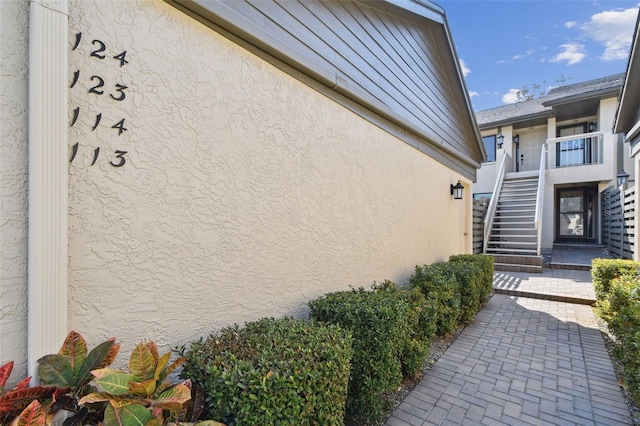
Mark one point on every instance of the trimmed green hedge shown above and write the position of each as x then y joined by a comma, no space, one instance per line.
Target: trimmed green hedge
420,327
439,284
624,323
285,372
392,331
485,263
617,286
603,271
469,277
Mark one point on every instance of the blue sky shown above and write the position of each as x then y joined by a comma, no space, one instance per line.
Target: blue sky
504,46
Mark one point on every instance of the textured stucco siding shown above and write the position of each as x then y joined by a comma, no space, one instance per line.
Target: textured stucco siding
14,28
245,192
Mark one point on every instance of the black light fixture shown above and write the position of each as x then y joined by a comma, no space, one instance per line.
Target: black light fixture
592,127
499,138
622,178
456,191
516,139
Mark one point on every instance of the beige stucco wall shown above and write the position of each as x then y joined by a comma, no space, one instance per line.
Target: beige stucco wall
14,71
245,193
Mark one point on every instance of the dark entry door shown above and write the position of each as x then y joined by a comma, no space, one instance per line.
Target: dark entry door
574,213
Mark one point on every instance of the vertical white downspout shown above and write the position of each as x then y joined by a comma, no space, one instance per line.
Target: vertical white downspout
47,259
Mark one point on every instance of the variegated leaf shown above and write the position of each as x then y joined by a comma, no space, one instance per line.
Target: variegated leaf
144,389
131,415
116,383
111,355
94,359
33,415
5,372
74,347
102,372
142,364
154,350
162,363
55,370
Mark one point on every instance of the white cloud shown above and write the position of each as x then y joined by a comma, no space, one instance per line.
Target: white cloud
473,94
511,97
465,69
572,53
614,30
570,24
528,53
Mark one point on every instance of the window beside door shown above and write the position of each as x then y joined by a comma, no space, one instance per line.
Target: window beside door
490,148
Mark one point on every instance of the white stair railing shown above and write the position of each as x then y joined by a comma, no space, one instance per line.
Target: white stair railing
540,197
491,210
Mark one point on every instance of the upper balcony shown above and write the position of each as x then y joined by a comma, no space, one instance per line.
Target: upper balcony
576,150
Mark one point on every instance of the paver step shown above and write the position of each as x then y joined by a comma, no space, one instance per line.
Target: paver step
543,296
511,267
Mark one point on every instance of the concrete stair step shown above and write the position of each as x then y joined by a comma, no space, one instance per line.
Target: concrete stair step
517,263
507,251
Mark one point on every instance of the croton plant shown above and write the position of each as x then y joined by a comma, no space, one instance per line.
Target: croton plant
79,382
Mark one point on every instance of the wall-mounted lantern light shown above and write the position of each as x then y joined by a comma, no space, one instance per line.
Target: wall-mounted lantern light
622,178
456,191
516,139
592,127
499,138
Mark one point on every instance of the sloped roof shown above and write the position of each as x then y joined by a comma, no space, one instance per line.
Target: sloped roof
512,112
541,108
598,87
629,103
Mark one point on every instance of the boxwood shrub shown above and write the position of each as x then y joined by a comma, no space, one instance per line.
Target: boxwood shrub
379,322
440,285
624,323
469,277
285,372
485,263
420,327
603,271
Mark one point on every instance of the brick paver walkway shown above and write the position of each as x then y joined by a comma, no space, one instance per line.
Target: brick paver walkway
524,361
561,285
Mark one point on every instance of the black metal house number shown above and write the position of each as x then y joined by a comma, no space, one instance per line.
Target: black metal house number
116,92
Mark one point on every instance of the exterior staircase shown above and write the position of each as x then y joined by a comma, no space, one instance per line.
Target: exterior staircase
513,239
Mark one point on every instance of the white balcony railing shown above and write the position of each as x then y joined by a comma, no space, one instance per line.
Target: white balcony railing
576,150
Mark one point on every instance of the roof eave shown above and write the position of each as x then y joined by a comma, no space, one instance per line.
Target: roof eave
427,10
628,103
516,119
602,93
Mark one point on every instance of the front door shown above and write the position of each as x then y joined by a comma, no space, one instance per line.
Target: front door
574,213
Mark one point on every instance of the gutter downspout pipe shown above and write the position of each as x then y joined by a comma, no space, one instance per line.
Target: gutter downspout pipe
48,179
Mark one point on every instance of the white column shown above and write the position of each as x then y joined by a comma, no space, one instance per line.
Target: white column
48,176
